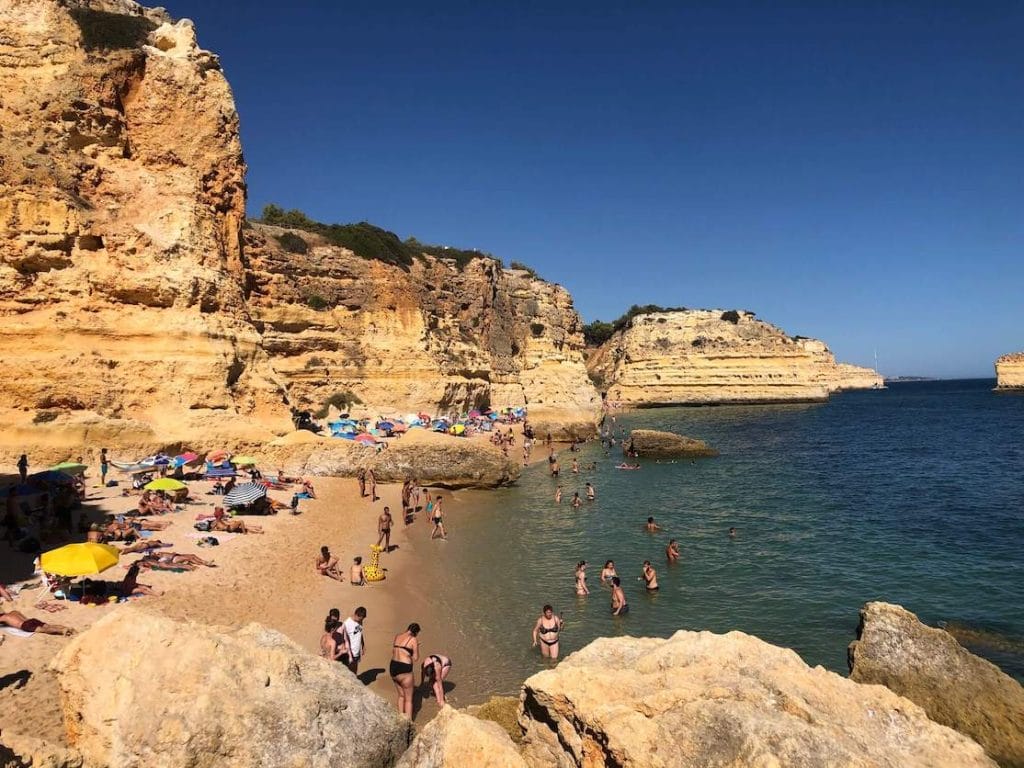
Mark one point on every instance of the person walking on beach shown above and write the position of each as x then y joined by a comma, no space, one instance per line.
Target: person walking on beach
581,578
353,627
672,551
405,652
384,529
371,481
438,520
546,632
23,467
649,576
591,493
330,647
361,477
608,572
434,672
619,605
104,466
355,573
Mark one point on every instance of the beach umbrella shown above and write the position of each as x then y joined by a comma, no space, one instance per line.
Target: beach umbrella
492,416
71,467
165,484
400,428
186,458
366,439
458,429
217,456
161,461
244,494
243,461
474,414
385,425
79,559
425,417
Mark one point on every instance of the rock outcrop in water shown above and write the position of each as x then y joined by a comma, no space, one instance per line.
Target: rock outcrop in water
1010,372
709,356
131,311
140,690
654,444
929,667
727,700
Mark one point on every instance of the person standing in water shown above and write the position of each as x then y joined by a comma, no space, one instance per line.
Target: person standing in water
581,578
649,577
619,605
651,526
405,652
575,466
591,493
558,495
672,551
577,502
732,533
438,520
608,572
433,674
546,632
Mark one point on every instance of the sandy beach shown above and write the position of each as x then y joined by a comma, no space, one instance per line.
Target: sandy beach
267,578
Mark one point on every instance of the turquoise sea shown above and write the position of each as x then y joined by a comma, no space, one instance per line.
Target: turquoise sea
912,495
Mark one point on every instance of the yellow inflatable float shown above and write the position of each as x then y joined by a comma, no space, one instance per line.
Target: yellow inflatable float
373,571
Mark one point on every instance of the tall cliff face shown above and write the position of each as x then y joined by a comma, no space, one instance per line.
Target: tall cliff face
438,335
1010,372
129,308
710,356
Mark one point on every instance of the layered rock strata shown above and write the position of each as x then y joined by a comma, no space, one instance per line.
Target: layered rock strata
929,667
710,356
141,690
1010,372
130,306
703,699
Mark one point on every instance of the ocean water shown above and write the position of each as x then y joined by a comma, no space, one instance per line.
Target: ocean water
912,495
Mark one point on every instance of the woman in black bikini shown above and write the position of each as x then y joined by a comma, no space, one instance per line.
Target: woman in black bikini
546,631
434,672
405,652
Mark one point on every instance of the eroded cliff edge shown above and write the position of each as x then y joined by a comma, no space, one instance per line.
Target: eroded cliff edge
710,356
138,308
1010,372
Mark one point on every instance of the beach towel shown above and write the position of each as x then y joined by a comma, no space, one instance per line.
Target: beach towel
15,632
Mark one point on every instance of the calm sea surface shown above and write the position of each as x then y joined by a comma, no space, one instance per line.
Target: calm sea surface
912,495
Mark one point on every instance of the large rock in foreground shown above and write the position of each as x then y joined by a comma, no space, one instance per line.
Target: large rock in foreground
648,442
933,670
700,699
143,691
454,739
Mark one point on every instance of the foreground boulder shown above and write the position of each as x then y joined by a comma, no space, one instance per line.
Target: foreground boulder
28,752
929,667
654,444
142,691
454,739
700,699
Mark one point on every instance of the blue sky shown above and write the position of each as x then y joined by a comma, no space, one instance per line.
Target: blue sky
849,171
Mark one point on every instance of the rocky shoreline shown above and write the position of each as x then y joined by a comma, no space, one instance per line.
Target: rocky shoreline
250,697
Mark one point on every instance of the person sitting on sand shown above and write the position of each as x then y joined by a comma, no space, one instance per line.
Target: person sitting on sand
18,620
327,564
434,672
651,526
284,479
608,572
355,573
546,632
129,585
672,551
235,526
307,488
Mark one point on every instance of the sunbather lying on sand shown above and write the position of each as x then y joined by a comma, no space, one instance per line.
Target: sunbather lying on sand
235,526
147,525
18,620
172,560
143,546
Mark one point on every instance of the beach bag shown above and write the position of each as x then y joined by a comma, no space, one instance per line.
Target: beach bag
202,525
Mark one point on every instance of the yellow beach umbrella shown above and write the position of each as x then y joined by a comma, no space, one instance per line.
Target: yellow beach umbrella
165,484
79,559
71,467
243,461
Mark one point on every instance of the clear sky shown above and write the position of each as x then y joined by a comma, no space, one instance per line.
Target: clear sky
849,171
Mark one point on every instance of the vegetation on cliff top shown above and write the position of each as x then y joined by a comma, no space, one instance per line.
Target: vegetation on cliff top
368,241
598,332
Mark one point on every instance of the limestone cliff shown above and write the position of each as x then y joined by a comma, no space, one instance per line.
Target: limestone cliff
710,356
1010,372
131,311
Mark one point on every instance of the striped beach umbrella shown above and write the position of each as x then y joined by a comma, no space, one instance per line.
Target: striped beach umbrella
245,494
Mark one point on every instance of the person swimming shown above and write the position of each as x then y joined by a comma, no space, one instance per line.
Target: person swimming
619,605
546,632
732,533
651,526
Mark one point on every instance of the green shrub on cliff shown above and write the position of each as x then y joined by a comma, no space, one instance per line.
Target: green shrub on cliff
368,241
598,332
293,243
343,401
